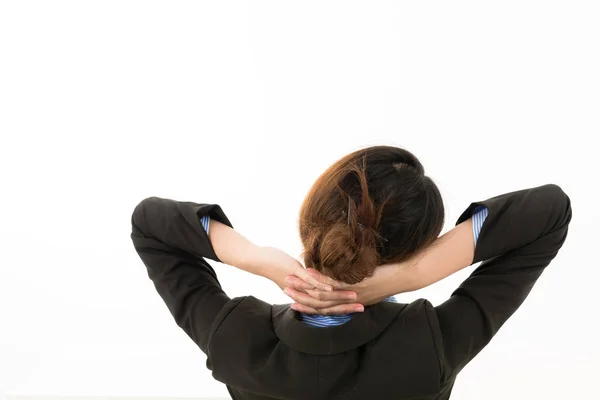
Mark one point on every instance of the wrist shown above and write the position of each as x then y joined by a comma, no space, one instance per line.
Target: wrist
403,277
274,264
394,282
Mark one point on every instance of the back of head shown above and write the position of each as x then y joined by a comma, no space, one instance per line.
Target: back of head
374,206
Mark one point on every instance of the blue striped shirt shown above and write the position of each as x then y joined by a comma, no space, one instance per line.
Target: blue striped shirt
479,215
322,321
205,221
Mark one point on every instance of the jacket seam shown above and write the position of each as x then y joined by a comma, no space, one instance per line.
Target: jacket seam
217,327
437,349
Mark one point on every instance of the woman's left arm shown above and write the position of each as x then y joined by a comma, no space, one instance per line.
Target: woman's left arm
169,238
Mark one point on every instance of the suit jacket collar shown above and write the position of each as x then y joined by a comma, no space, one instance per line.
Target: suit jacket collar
362,328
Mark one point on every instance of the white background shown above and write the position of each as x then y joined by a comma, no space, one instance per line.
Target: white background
244,104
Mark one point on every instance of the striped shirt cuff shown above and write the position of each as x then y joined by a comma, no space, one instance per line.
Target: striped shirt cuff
205,221
479,215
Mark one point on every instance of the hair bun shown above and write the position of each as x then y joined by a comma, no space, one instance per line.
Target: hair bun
349,252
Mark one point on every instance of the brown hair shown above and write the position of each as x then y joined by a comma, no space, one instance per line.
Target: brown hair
394,211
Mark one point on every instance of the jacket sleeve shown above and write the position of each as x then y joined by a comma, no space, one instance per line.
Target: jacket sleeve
520,236
173,245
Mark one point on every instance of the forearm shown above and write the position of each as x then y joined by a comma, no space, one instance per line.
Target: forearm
515,220
447,255
234,249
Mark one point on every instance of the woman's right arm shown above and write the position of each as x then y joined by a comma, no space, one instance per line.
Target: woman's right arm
516,220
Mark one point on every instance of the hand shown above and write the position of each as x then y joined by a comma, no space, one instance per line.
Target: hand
388,280
276,265
311,300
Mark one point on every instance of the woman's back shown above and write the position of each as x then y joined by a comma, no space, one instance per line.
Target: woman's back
391,350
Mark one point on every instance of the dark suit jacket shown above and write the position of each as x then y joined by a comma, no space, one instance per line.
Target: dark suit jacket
391,351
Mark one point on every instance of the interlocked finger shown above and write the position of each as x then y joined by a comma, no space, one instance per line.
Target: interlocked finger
336,310
306,299
297,283
340,296
301,273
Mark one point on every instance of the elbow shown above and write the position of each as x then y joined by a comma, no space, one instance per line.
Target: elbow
138,216
561,205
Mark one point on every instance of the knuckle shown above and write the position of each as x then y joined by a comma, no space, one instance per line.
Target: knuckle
309,303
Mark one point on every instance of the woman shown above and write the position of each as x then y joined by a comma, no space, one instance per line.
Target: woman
369,227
